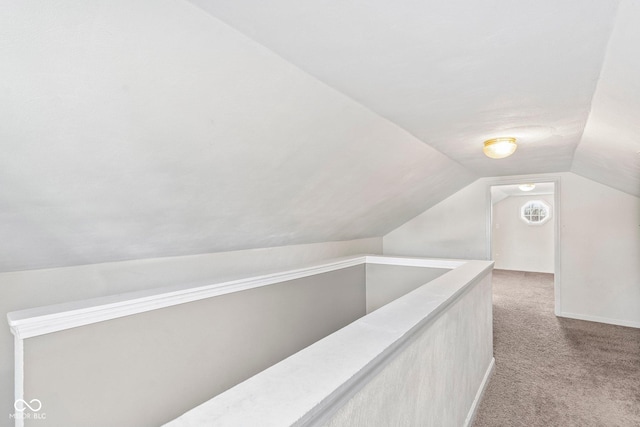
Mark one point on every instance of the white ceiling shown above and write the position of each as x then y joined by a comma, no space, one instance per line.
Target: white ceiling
452,73
159,128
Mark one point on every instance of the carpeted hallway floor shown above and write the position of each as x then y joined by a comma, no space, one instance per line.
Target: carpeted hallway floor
556,372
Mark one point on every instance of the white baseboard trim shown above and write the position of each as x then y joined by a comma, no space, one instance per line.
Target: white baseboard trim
618,322
483,386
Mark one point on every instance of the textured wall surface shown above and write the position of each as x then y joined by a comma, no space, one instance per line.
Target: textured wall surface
432,382
145,369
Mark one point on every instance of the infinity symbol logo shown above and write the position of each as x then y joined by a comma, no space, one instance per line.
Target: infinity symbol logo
20,405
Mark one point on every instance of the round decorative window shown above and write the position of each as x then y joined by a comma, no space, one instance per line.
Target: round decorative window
535,212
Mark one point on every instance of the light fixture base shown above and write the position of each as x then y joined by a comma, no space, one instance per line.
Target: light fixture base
499,148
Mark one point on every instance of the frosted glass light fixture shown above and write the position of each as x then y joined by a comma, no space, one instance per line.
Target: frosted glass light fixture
499,148
526,187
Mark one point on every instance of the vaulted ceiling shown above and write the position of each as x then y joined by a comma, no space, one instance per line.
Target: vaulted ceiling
159,128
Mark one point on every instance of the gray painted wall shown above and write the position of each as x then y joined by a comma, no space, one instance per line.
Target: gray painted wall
386,283
34,288
146,369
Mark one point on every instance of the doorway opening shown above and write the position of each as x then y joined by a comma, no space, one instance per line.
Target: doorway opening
523,228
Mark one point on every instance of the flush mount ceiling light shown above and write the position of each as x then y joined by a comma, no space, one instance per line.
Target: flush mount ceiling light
499,148
527,187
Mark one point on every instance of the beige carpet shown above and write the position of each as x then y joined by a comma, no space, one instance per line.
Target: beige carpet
553,371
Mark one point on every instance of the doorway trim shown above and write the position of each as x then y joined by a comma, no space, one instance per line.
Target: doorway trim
557,211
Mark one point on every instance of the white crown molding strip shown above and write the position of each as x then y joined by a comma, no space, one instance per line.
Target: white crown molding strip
43,320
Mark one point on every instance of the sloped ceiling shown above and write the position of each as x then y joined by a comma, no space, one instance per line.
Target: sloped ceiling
147,129
453,73
159,128
610,149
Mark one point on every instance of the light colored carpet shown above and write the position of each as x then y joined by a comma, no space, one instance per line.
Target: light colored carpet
557,372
